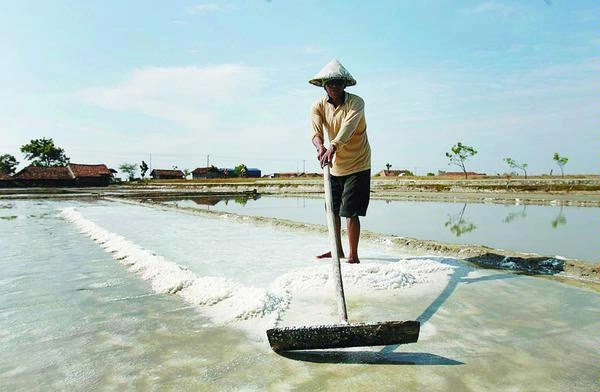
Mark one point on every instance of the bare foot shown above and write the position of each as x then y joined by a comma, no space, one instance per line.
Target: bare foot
353,261
327,255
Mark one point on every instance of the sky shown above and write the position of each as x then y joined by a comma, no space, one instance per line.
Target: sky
183,83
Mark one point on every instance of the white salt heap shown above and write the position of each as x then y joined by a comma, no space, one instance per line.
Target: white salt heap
226,301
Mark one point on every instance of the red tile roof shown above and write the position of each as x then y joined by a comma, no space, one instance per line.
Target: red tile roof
165,173
79,170
5,177
44,173
201,170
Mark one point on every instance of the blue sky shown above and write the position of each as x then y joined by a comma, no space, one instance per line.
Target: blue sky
116,82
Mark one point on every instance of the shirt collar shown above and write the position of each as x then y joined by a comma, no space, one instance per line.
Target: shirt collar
343,102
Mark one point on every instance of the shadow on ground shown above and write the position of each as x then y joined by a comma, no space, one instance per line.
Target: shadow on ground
459,275
369,357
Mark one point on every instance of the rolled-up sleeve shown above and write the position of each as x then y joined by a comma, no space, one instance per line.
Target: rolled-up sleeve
316,117
349,123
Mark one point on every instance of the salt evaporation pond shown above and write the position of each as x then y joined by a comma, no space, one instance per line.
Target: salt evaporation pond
85,304
548,230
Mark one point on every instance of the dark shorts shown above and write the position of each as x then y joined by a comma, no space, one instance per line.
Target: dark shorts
351,193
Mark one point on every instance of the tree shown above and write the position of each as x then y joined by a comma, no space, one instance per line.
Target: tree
459,153
241,170
186,173
43,152
8,164
143,169
388,166
516,165
560,161
129,169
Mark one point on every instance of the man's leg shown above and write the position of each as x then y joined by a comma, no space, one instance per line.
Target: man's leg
338,239
337,187
353,237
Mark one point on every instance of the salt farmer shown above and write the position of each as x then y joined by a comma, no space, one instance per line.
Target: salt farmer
342,115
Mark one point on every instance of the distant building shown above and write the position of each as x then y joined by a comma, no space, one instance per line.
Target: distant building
73,174
214,172
227,172
253,172
6,180
45,176
205,172
160,174
91,175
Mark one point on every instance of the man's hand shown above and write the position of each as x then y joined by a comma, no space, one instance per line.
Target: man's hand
326,155
321,150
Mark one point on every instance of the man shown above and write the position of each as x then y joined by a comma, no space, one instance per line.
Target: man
342,116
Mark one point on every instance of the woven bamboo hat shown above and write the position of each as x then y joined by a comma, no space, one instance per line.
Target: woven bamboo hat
333,70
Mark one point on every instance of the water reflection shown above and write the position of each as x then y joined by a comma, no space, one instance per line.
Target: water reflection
514,215
557,221
458,224
541,229
211,201
560,219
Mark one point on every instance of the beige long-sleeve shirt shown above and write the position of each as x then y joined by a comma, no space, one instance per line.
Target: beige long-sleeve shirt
347,130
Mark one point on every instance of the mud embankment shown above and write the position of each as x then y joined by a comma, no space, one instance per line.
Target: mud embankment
583,192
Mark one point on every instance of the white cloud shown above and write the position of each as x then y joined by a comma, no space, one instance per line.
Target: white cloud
191,96
313,49
493,7
204,8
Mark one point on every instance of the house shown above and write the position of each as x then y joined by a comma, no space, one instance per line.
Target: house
253,172
6,180
45,176
205,172
91,175
394,173
227,172
160,174
73,174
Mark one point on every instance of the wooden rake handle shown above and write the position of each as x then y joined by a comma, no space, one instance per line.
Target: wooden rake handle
336,272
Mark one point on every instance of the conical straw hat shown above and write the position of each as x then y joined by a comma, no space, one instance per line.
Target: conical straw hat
333,70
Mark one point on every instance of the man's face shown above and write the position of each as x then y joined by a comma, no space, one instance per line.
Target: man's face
335,88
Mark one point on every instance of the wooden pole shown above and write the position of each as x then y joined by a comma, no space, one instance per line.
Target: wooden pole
336,272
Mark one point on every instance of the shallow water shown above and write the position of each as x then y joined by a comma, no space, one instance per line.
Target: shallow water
565,231
74,316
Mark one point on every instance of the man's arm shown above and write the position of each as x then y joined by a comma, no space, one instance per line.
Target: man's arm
324,156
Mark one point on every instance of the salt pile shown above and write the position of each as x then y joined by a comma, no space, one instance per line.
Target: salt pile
226,301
